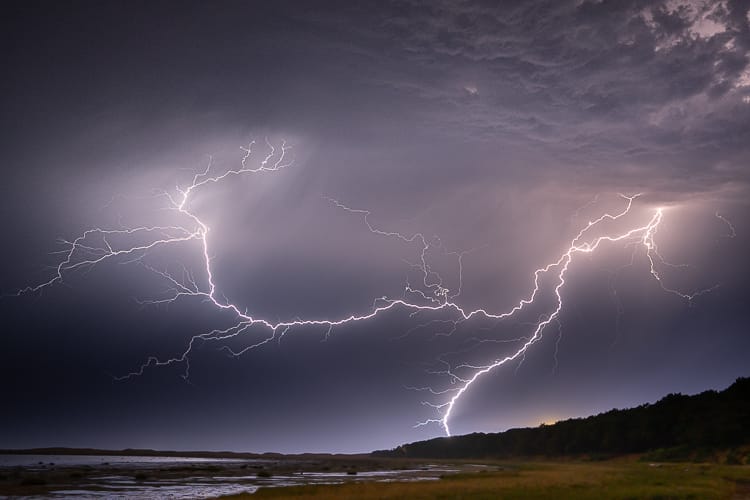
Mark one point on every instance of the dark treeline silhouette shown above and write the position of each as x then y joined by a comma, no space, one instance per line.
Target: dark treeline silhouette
709,420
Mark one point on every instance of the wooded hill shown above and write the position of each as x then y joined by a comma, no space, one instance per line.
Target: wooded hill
675,427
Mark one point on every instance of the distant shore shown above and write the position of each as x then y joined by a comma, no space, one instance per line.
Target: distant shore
138,452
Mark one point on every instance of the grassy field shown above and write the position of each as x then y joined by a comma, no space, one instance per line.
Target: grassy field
621,479
629,477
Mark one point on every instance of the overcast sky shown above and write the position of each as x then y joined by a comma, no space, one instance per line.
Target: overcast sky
495,131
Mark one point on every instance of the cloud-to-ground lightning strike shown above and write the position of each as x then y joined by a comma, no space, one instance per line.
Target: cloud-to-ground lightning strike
98,245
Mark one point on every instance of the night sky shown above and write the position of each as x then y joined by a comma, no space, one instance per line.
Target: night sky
499,132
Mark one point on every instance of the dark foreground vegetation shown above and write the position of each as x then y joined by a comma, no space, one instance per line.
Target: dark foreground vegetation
677,427
619,479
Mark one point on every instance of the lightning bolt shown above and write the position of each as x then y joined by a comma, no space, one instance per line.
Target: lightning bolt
432,295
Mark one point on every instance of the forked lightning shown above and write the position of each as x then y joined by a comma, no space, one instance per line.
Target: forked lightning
97,245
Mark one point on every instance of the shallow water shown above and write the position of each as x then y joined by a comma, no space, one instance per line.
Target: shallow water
121,477
187,491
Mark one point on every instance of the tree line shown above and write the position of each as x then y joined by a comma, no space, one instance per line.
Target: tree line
709,420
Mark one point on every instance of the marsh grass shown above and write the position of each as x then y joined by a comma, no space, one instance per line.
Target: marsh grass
592,480
622,478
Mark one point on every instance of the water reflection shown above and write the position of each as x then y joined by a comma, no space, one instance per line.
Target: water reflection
119,477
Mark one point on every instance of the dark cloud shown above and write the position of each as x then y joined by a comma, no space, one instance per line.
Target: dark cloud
588,82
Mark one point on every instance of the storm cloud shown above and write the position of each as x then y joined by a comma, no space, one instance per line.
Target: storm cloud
500,129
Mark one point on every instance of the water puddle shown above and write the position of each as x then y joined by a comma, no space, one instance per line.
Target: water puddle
178,478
